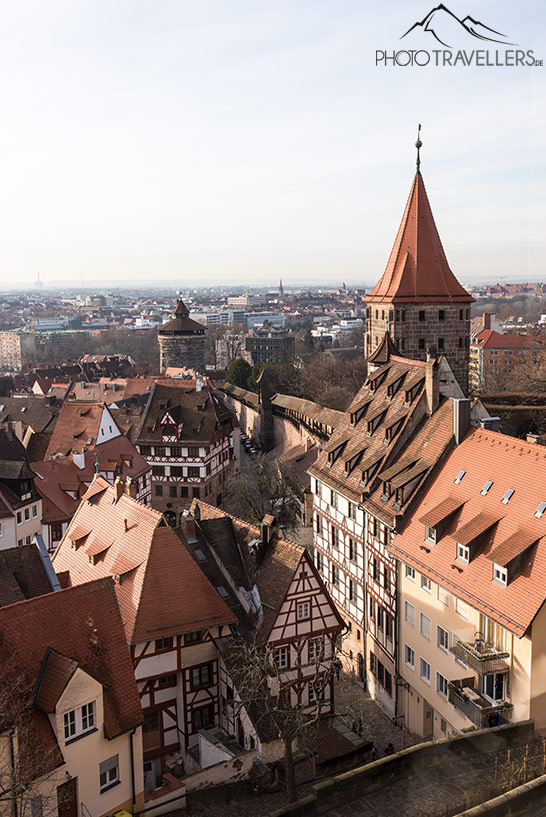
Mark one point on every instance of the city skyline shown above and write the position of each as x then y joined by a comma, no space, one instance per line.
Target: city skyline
198,146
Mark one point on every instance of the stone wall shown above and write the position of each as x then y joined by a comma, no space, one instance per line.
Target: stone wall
523,801
182,350
389,771
414,335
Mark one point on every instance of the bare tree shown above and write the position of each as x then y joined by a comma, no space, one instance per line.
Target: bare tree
262,486
287,703
28,763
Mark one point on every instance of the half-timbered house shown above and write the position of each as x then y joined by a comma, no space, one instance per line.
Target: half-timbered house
171,613
283,607
393,433
184,435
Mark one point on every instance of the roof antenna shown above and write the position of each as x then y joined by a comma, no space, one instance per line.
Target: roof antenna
418,145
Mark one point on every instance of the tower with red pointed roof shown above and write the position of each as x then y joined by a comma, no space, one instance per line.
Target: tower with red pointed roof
418,299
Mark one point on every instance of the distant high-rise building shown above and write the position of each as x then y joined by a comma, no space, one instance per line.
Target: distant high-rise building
418,299
281,289
182,341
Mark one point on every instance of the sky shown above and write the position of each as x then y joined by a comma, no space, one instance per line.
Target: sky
243,141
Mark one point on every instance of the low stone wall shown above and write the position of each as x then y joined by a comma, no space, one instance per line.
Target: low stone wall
347,787
520,802
227,771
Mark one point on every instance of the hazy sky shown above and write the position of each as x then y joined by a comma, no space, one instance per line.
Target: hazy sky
246,140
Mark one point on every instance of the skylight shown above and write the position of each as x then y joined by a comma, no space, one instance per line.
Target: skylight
486,487
200,556
459,477
540,510
507,496
222,590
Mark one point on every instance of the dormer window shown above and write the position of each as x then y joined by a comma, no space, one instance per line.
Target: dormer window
430,534
169,432
500,574
463,553
79,721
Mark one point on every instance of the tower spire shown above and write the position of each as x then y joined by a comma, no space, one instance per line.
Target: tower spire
418,145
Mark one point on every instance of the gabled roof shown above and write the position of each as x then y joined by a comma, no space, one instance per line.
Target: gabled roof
81,625
489,339
77,428
508,528
56,672
417,270
201,414
22,574
383,353
161,591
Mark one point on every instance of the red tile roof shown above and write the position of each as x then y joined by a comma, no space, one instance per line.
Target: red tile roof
418,270
510,464
489,339
162,591
77,428
57,670
82,625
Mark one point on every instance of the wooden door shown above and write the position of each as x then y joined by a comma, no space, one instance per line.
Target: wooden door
67,798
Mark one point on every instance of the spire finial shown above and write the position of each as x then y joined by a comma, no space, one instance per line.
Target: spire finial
418,145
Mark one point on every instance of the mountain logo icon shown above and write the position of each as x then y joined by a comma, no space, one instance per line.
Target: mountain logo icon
446,28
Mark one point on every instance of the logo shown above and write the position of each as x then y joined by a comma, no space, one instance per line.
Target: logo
460,40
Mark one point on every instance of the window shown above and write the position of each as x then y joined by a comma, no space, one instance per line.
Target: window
316,693
440,344
201,677
162,644
316,650
409,613
176,471
352,550
375,527
202,718
424,670
304,611
422,316
443,595
19,517
441,685
424,625
172,491
27,514
426,583
352,590
430,534
176,451
461,608
320,561
441,315
195,637
109,773
333,499
335,575
193,471
409,656
380,613
159,490
56,532
193,452
442,638
410,573
421,343
79,721
34,511
167,681
151,723
493,686
372,609
389,627
145,450
158,471
463,553
493,633
184,491
280,657
386,578
318,523
335,537
376,570
506,498
352,510
196,493
500,574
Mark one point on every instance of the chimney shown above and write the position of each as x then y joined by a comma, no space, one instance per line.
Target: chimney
266,528
197,512
532,439
131,487
78,458
461,418
118,488
487,320
126,525
188,526
489,423
432,384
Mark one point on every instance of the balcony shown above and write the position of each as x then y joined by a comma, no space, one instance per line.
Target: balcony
481,656
476,707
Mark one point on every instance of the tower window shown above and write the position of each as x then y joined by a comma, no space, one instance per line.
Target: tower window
467,314
403,344
376,314
460,343
440,343
422,316
421,343
397,315
382,314
441,315
403,316
461,314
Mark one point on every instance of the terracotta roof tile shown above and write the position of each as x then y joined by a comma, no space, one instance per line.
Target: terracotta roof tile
441,511
56,672
22,574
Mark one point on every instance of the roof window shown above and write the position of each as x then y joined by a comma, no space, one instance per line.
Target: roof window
500,574
459,477
540,510
506,498
200,556
222,590
486,487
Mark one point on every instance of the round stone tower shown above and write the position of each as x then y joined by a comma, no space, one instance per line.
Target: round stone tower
182,341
